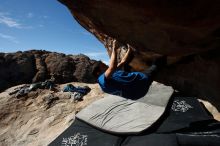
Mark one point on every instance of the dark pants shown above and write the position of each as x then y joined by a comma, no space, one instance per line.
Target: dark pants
151,71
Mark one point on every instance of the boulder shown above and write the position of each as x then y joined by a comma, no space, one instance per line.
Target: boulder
16,68
186,31
37,65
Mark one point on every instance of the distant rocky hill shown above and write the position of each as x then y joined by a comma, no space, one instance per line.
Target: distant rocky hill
36,65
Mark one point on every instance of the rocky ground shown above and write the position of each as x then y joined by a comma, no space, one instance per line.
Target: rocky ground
39,117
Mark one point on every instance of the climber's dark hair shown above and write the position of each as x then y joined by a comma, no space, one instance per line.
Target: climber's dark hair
96,69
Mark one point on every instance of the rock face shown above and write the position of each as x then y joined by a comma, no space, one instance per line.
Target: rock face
187,31
34,66
16,68
39,117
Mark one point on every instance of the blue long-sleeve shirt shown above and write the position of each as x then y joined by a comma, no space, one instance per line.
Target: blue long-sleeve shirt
126,84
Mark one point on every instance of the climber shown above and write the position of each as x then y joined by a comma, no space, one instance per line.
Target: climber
123,83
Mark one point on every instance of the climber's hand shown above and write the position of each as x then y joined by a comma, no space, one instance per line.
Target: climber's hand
115,45
125,58
131,48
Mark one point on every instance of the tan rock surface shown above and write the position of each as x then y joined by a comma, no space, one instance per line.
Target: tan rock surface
34,120
212,109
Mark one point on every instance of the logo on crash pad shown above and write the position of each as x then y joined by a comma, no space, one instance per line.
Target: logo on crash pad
180,106
75,140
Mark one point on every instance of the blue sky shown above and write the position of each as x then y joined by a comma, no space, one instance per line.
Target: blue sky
46,25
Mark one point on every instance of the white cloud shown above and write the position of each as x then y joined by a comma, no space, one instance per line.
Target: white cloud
106,62
86,33
45,16
40,25
95,54
8,21
30,15
98,56
9,38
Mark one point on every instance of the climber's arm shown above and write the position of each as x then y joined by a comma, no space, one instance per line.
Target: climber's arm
125,58
113,62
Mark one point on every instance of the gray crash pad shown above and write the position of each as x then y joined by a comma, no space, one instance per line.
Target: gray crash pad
119,115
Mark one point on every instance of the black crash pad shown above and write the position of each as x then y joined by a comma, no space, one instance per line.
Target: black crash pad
185,123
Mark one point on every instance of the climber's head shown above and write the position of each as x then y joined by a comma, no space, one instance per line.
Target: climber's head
98,69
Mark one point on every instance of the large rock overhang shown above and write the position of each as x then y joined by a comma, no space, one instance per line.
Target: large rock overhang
187,31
